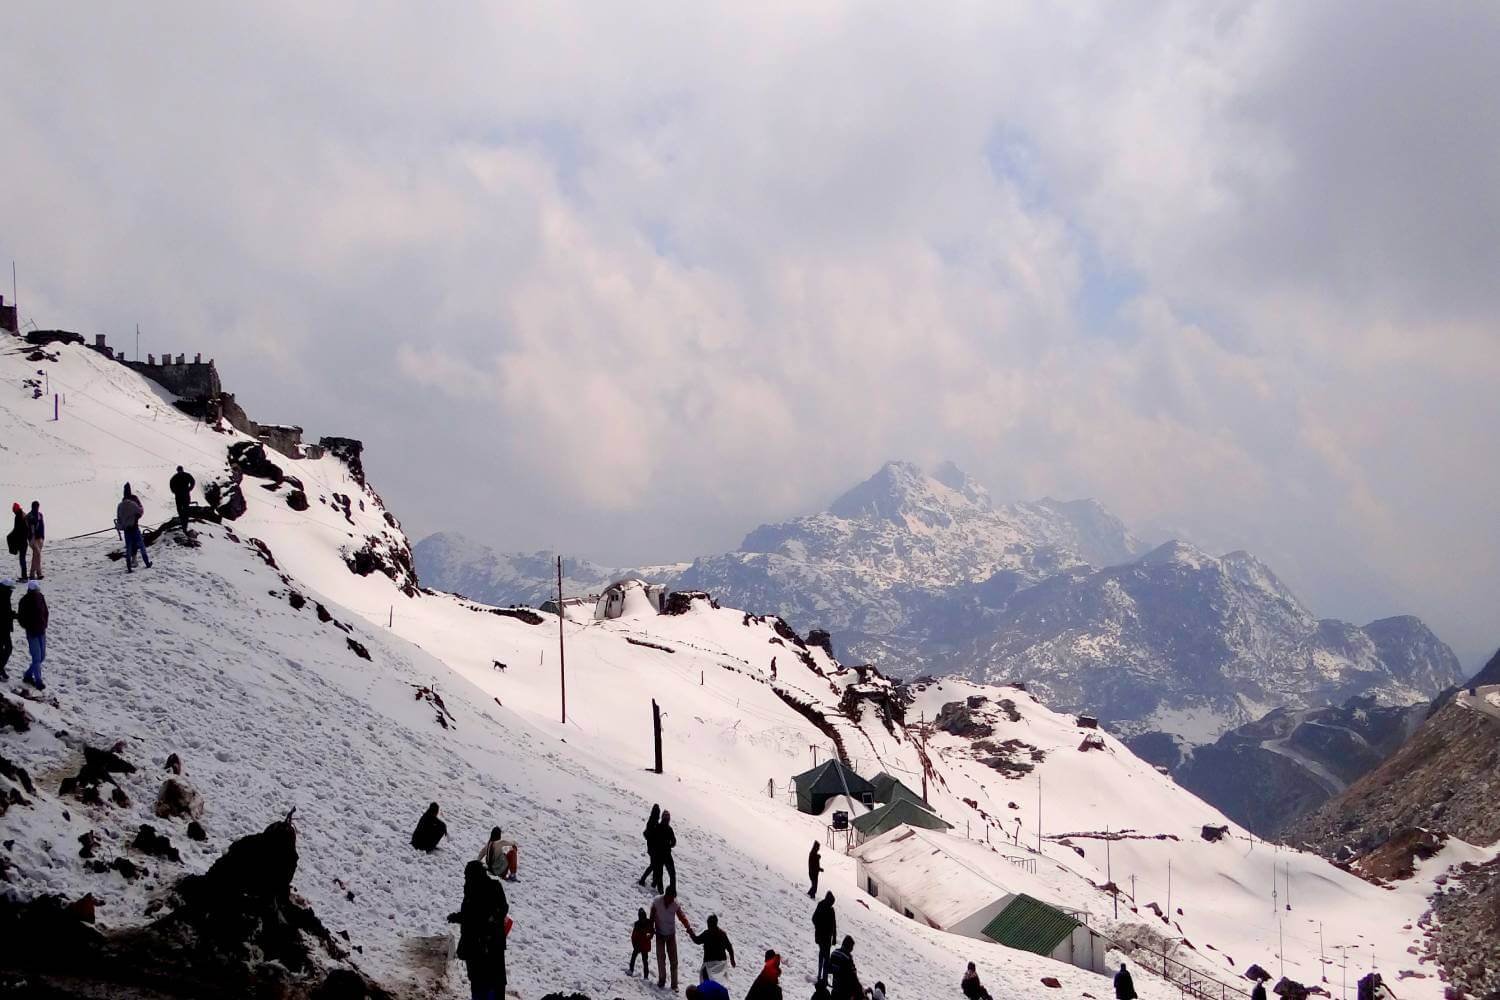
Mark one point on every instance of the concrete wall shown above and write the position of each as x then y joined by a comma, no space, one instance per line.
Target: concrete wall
871,885
973,925
1084,949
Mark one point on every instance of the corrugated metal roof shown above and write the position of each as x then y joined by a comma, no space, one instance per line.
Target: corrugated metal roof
1030,925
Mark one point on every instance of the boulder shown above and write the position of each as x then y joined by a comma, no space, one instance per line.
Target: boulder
178,799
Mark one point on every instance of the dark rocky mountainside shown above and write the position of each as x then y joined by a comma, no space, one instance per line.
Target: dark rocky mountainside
1278,768
1443,782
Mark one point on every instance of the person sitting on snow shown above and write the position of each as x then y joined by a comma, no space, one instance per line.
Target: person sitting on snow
429,830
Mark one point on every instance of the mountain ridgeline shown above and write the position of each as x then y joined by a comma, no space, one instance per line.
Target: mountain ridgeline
922,573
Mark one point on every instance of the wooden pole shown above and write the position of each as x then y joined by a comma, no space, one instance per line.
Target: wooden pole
656,731
562,663
1109,874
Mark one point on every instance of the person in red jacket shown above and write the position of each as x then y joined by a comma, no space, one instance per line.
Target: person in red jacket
641,933
767,985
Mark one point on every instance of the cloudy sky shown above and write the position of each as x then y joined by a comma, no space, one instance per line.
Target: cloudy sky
628,279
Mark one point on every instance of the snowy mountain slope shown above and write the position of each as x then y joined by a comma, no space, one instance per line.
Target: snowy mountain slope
1188,644
196,657
922,573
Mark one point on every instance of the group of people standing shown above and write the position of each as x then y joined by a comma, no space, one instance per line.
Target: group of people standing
26,537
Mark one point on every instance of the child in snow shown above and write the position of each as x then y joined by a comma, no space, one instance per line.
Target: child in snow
972,987
640,943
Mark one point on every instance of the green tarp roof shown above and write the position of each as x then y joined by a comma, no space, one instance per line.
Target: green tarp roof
889,788
902,812
1030,925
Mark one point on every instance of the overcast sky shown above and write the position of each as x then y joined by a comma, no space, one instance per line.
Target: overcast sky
627,279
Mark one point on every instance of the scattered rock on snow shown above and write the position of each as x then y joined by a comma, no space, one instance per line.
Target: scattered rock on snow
178,799
148,841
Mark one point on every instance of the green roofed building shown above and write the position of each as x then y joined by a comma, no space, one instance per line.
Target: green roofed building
902,812
966,887
829,780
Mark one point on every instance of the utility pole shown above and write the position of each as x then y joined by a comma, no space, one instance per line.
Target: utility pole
1281,947
1169,890
656,731
1322,958
1039,812
562,663
1109,875
1344,954
1288,885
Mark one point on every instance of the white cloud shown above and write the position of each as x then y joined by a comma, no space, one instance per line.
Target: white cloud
631,278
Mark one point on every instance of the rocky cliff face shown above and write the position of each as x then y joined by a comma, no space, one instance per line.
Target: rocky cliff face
1443,782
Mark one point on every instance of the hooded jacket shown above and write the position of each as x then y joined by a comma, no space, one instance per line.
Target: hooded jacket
31,613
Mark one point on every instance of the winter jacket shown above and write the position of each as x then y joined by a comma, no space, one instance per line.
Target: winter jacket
31,613
1124,985
716,946
181,484
481,923
641,933
707,990
666,916
825,923
7,613
430,829
661,843
37,524
767,985
973,988
814,862
129,513
20,534
845,979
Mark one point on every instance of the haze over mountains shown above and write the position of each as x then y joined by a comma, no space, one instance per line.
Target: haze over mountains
922,573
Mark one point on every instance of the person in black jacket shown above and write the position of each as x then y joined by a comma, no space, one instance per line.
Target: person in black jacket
661,852
1124,984
844,976
7,625
429,831
481,924
19,539
718,951
31,614
181,484
652,822
1259,992
973,989
825,932
37,524
814,866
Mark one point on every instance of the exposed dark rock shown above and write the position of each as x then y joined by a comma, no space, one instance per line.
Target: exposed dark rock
348,451
149,842
383,556
527,615
297,500
178,799
296,600
357,648
1214,834
820,638
88,843
957,717
196,832
99,767
13,715
250,458
680,602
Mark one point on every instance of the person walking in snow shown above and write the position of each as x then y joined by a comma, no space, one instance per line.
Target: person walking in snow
708,988
814,866
429,831
481,942
844,976
661,859
876,992
666,914
825,931
1259,992
181,484
767,985
640,943
19,539
7,625
128,516
37,524
972,987
718,950
31,613
1124,984
652,822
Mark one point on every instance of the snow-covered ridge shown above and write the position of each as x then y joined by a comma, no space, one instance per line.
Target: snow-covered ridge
243,655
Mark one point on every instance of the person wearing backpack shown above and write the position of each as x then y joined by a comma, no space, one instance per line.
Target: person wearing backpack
31,615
